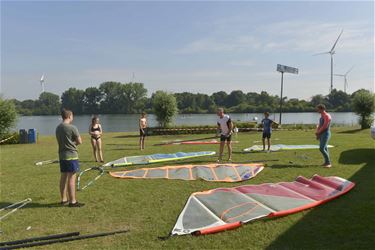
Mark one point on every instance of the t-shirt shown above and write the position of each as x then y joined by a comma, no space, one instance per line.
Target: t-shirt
66,135
224,124
267,125
324,123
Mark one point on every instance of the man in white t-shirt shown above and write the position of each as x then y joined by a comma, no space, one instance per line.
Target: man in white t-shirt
225,125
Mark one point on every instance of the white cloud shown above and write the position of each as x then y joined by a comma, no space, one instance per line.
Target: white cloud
300,36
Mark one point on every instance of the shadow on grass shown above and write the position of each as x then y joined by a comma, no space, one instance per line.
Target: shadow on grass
351,131
346,222
32,205
120,144
292,165
125,136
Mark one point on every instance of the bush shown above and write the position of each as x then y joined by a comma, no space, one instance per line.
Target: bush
8,115
10,138
364,106
164,106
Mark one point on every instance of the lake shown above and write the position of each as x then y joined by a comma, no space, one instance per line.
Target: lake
46,125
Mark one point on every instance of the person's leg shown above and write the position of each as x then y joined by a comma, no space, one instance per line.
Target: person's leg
222,143
327,159
72,187
229,144
93,144
323,148
264,141
269,141
63,187
99,149
143,142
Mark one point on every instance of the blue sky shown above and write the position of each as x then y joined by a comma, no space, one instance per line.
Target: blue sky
184,46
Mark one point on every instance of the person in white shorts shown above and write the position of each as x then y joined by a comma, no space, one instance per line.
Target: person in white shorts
225,126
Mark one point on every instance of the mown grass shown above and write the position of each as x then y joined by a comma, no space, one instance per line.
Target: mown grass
149,208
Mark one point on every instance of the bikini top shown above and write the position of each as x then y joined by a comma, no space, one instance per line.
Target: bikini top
95,129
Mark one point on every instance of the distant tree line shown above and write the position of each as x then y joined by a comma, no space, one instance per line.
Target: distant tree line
130,98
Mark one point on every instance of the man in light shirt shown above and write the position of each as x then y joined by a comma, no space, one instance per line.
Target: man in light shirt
225,126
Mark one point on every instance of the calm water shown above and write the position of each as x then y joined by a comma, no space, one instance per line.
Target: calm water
46,125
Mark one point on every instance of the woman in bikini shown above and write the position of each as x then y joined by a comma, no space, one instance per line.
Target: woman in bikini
95,131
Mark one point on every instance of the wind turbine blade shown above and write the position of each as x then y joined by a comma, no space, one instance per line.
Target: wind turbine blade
334,45
339,75
322,53
42,78
349,70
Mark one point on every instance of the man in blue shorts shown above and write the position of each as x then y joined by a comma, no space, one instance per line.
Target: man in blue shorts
225,126
68,138
267,131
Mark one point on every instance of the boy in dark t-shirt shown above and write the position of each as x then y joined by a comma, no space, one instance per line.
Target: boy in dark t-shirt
267,130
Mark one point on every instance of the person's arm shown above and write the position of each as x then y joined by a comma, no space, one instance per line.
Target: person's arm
230,127
327,121
101,129
218,129
90,132
77,137
78,140
140,126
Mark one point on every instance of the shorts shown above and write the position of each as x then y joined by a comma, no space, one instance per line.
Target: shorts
142,133
69,166
225,138
266,135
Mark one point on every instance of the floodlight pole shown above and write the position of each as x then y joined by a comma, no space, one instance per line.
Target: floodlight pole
281,96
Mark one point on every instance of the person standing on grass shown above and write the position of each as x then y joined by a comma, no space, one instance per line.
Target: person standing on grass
68,138
267,131
142,130
96,131
225,126
323,133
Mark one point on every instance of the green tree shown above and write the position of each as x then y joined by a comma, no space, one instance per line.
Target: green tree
235,98
164,106
47,104
338,100
220,98
8,115
113,100
73,99
364,106
133,97
318,99
91,100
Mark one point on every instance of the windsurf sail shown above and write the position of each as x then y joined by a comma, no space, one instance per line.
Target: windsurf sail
155,158
278,147
196,142
227,208
209,172
180,141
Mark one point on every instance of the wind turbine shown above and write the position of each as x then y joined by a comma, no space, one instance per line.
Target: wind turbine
345,79
42,83
331,52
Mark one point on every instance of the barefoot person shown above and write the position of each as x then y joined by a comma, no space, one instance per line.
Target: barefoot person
225,125
96,131
267,131
68,138
142,130
323,133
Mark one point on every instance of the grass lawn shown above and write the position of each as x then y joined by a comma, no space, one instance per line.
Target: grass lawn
149,208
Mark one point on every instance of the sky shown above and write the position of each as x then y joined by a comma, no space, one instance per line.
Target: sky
181,46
